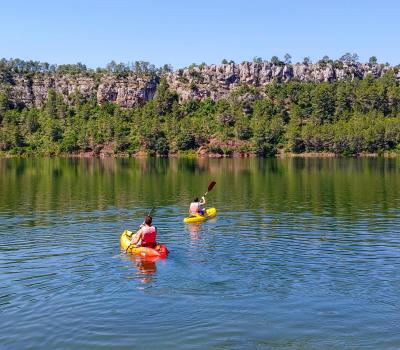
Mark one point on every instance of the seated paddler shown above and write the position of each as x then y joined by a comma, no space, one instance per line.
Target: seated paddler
197,207
147,234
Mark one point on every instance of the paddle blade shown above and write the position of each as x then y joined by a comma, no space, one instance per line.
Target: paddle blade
211,186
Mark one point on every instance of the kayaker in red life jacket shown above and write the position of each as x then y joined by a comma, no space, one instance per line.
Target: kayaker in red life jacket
147,234
197,207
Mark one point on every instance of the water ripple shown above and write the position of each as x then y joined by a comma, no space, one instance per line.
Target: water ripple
277,269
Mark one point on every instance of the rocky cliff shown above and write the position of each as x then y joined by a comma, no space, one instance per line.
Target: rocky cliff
130,91
213,81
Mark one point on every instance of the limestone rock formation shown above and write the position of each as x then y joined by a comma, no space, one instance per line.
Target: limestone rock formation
126,91
214,81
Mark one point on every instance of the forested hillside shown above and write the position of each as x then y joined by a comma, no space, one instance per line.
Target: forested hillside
349,109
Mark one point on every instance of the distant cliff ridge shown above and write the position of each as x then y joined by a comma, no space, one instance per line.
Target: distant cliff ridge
125,91
214,81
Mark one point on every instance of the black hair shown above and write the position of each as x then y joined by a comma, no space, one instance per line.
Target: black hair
196,199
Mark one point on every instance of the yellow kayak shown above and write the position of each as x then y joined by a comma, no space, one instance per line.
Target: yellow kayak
210,213
160,250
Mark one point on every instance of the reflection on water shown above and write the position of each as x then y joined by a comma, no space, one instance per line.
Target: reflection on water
194,230
303,254
333,186
145,267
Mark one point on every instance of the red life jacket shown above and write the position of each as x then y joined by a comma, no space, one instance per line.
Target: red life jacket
149,234
194,207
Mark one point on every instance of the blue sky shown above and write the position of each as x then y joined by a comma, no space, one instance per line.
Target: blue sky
182,32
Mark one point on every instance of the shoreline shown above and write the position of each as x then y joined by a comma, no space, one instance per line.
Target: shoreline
195,155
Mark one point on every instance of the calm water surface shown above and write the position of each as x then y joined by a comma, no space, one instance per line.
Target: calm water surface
304,254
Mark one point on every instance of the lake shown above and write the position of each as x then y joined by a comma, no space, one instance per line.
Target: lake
303,254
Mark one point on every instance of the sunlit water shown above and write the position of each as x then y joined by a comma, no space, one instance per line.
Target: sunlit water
303,254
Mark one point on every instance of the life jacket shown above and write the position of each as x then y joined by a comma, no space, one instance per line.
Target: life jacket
149,234
194,207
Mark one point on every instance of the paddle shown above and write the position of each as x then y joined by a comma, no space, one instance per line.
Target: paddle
210,187
149,214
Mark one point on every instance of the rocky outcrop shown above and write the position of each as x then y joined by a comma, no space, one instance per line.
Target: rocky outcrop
125,91
213,81
217,81
128,91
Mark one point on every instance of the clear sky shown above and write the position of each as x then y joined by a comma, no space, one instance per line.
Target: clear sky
182,32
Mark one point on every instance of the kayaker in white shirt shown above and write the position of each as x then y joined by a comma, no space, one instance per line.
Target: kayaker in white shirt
197,207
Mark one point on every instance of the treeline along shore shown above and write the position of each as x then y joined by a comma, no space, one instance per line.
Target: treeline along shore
259,108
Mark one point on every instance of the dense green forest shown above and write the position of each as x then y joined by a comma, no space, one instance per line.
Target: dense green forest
343,117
